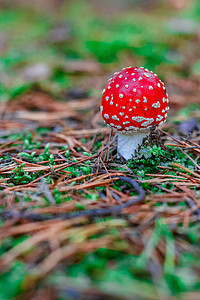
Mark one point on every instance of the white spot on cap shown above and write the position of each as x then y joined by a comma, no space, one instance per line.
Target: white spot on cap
126,117
125,78
140,119
134,90
130,109
164,99
107,98
103,91
156,105
116,105
121,95
120,76
127,122
148,122
115,118
165,115
117,85
130,100
162,122
132,73
126,85
158,85
145,74
111,102
140,78
106,116
150,87
101,108
109,87
121,113
134,79
137,101
131,128
144,99
145,108
118,127
123,107
159,118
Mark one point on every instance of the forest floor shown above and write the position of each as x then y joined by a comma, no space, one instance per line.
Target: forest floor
59,170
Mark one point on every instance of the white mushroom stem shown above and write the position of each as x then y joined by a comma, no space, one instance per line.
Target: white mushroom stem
127,144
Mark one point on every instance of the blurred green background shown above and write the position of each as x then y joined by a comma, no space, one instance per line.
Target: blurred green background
69,49
43,43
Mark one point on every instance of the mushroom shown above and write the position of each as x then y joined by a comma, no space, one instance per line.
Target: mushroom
134,100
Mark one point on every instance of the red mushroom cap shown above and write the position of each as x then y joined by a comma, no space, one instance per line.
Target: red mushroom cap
134,99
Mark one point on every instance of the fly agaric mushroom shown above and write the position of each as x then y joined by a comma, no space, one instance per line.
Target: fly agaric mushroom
133,100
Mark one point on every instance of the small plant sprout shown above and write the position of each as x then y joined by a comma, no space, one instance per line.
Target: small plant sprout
134,100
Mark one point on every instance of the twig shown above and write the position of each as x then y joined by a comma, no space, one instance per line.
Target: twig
185,169
190,158
101,212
